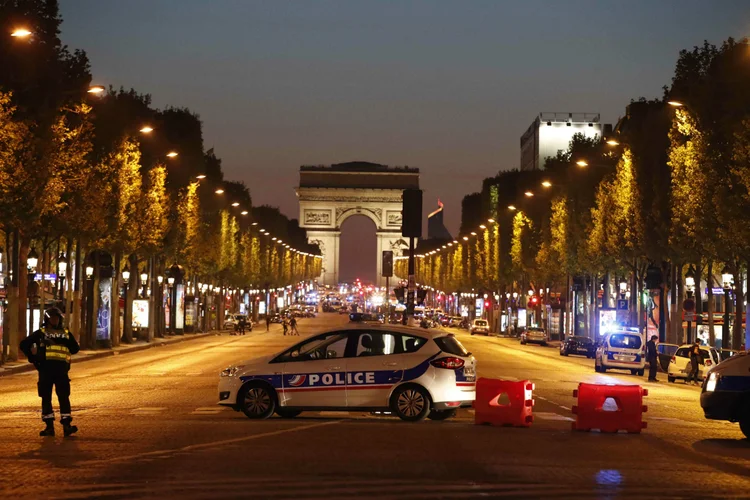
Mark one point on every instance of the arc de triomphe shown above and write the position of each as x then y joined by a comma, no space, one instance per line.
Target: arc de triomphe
328,195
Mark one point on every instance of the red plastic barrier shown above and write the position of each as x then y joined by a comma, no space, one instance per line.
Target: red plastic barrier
609,408
489,409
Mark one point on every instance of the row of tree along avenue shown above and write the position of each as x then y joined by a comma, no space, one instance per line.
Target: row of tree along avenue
112,208
658,210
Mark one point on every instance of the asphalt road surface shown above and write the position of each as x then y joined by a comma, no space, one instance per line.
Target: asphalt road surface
150,427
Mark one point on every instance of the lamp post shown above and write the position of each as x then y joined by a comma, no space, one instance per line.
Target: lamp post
172,305
726,281
144,283
62,271
689,309
31,262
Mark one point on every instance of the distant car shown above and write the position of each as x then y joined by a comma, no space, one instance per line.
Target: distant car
679,366
578,345
727,353
535,336
232,321
372,319
480,326
621,350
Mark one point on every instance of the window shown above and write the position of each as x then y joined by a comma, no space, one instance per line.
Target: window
330,346
375,344
622,341
480,322
682,352
451,345
411,344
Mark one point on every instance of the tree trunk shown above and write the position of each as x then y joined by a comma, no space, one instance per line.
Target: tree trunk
710,308
13,333
737,332
674,310
151,307
76,310
698,301
130,294
23,288
114,326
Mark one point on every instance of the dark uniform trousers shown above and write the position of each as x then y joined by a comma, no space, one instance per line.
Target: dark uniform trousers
653,364
54,373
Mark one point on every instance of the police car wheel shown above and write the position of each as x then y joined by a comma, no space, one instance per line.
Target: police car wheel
441,414
286,413
257,401
641,372
671,379
410,403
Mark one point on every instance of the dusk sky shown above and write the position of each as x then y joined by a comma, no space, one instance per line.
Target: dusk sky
448,87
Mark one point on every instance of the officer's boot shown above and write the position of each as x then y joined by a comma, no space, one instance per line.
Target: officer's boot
67,428
49,430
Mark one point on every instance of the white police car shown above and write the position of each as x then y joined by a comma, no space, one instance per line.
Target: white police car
411,373
621,350
726,392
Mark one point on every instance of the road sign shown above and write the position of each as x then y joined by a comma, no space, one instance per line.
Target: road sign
622,304
688,305
689,316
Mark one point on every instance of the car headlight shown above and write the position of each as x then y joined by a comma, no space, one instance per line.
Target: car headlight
711,383
231,371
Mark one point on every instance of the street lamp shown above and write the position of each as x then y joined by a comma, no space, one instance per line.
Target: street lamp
89,272
546,184
21,33
676,104
200,177
170,281
726,281
32,260
146,130
623,288
144,282
512,208
96,89
219,191
582,163
160,279
528,194
62,265
172,154
126,275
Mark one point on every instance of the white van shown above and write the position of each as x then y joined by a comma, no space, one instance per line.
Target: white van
726,392
621,350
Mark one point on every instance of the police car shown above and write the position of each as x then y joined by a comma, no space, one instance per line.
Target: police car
726,392
411,373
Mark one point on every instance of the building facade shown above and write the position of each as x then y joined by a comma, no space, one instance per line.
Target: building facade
551,133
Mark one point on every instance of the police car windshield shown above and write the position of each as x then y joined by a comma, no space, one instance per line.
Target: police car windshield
316,348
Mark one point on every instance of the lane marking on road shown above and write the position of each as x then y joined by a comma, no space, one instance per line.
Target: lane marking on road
203,446
541,415
334,413
148,410
208,410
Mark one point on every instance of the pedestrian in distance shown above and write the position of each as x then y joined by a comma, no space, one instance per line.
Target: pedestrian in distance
268,322
695,359
293,326
49,349
285,325
242,323
652,356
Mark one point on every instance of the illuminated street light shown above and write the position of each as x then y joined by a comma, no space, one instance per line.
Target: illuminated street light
466,238
676,104
547,184
126,274
62,265
582,163
245,212
146,130
200,177
528,194
236,204
172,154
21,33
32,260
219,191
95,89
473,233
89,272
491,221
511,207
613,142
254,224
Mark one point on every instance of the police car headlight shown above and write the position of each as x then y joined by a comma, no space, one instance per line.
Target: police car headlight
711,383
231,371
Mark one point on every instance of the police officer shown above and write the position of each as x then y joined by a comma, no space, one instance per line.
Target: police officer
49,348
652,356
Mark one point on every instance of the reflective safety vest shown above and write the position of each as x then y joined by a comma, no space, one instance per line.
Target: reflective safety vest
56,352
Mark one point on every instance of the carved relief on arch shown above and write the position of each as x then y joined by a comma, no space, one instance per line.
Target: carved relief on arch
375,214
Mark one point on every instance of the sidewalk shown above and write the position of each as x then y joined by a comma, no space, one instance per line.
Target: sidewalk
13,367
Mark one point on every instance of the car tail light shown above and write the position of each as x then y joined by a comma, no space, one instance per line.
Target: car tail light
708,362
449,363
673,360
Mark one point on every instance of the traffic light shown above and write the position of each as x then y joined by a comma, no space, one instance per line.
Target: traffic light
411,213
653,277
387,265
399,292
486,304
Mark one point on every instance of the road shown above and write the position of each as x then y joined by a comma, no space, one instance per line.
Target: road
150,428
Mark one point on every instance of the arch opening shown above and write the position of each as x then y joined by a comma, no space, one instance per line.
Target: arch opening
358,250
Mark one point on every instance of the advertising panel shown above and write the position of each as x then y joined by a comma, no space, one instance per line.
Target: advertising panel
179,321
140,313
262,307
521,318
105,309
190,313
607,321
